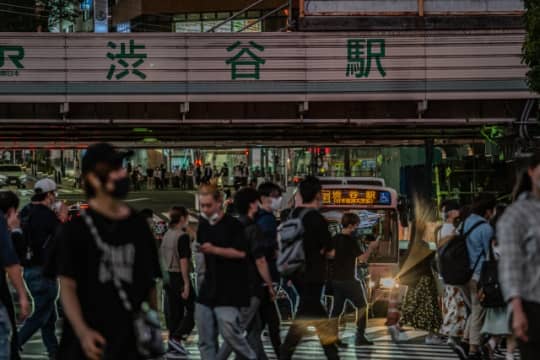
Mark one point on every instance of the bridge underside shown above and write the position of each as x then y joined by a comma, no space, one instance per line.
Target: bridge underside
241,124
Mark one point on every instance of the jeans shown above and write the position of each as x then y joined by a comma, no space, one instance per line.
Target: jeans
249,321
226,321
531,349
44,292
5,334
310,313
352,291
179,313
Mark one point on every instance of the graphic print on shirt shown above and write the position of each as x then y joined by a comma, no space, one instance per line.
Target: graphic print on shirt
122,259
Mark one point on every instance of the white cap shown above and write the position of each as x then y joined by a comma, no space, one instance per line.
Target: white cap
44,186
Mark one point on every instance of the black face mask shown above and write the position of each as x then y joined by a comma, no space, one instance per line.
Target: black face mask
121,188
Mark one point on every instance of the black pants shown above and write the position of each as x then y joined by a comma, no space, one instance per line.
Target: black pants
269,316
531,349
352,291
310,313
179,313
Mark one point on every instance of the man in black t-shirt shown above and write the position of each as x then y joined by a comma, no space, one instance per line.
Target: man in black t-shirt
318,247
260,281
98,323
344,285
224,288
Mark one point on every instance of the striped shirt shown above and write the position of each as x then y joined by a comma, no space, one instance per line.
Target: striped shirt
518,234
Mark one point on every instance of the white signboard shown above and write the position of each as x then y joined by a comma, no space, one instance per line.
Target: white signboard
262,66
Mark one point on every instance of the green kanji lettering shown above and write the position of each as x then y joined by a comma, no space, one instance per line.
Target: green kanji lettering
121,58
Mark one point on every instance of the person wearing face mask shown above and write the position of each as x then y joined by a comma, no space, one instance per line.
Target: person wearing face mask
108,248
224,289
518,237
478,243
175,252
38,232
270,202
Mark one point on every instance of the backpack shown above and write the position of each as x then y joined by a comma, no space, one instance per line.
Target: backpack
291,256
489,289
454,258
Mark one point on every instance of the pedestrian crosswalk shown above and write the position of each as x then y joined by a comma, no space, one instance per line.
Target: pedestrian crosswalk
30,192
410,347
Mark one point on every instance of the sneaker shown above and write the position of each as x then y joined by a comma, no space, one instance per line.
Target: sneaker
434,340
177,346
460,349
362,340
394,333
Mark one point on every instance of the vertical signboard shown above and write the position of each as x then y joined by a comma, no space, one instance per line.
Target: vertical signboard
101,16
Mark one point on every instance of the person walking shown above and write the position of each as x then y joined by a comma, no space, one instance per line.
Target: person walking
224,288
149,178
454,299
318,247
39,231
478,243
175,251
260,281
270,201
519,263
343,283
107,263
9,265
496,326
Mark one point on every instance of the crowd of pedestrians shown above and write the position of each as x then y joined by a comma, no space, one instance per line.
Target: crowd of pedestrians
222,276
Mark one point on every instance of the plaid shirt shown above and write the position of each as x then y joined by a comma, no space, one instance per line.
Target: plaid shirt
518,234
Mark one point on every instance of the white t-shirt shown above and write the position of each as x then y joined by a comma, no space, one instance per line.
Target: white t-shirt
447,230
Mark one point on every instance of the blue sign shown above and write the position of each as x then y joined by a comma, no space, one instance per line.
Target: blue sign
385,198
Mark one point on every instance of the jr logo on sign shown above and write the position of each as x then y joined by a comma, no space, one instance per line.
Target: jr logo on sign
360,53
15,54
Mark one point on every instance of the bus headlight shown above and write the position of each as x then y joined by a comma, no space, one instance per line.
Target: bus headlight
388,283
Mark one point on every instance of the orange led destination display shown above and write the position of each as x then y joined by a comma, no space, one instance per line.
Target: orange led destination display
355,197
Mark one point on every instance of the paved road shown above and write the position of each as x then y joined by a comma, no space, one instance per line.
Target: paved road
411,347
159,201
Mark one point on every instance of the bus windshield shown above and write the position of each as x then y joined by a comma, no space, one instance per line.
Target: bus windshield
376,222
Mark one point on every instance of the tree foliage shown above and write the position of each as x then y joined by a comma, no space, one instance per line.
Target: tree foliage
531,47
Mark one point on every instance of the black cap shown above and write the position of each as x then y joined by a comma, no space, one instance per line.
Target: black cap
103,153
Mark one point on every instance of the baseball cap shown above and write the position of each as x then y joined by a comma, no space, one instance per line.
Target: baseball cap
103,153
44,186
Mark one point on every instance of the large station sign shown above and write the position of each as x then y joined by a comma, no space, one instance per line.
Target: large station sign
262,66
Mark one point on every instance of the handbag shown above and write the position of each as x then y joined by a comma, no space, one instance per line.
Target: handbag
146,323
489,288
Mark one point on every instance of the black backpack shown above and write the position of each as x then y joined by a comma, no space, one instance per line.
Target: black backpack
454,259
489,289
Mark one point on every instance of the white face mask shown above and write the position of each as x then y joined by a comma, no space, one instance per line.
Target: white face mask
211,219
276,203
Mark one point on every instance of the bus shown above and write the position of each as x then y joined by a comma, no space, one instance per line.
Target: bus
377,207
